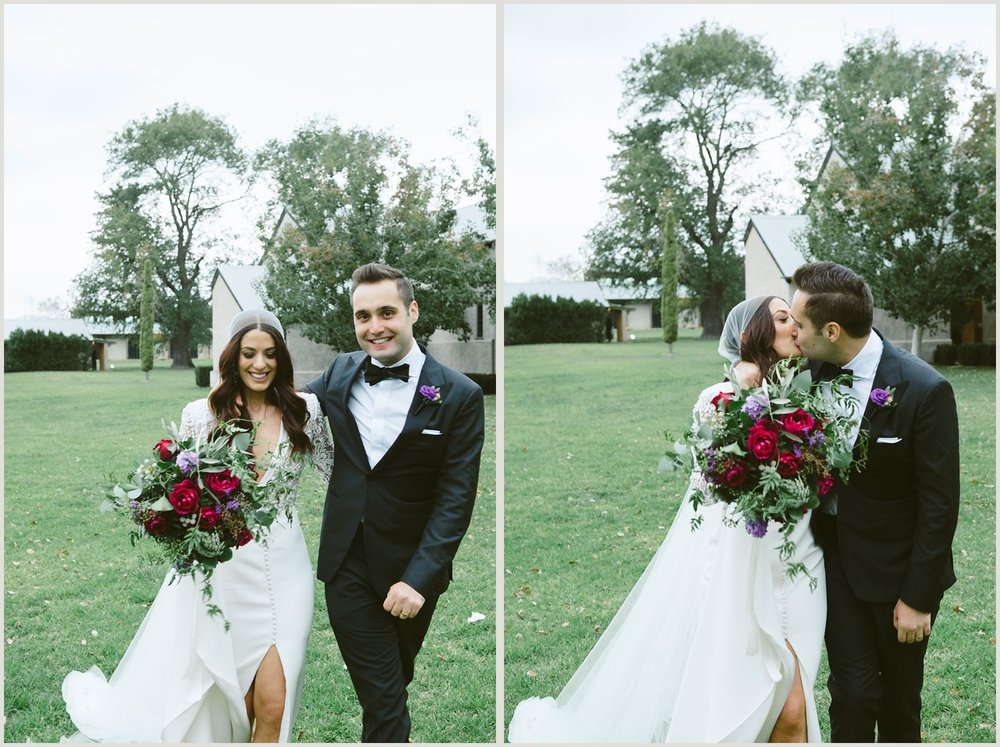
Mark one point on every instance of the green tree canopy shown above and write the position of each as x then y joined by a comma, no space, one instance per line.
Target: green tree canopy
173,174
914,212
356,198
700,107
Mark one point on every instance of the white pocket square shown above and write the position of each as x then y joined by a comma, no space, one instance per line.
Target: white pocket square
430,432
888,440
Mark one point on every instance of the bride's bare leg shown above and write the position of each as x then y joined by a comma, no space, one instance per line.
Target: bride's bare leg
791,724
266,698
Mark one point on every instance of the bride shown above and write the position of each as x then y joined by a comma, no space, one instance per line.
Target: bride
184,678
714,643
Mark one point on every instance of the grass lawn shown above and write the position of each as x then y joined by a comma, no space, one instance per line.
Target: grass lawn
76,591
585,509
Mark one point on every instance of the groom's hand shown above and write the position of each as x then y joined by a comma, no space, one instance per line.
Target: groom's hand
912,626
403,601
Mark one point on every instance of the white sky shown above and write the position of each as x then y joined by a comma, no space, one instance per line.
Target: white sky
74,75
562,92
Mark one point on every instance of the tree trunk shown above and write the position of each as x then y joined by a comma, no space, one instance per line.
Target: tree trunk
182,344
711,315
918,336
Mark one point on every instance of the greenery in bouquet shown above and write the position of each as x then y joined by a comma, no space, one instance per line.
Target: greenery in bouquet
771,451
199,500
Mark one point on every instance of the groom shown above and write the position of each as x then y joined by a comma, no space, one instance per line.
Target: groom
408,433
887,533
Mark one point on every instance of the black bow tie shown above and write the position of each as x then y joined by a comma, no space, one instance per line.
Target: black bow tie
374,374
830,371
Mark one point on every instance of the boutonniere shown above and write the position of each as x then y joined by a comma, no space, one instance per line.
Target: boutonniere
428,395
882,398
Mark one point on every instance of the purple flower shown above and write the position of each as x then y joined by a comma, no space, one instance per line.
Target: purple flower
233,505
816,438
187,461
756,528
755,406
882,397
431,393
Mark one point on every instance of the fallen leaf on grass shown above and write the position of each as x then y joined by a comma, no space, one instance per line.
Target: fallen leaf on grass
536,570
476,617
532,673
957,608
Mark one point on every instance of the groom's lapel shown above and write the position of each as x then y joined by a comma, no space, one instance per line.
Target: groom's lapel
887,375
421,410
342,394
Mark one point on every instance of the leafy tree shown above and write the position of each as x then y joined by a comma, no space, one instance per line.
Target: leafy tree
914,212
356,198
146,317
668,296
175,171
701,107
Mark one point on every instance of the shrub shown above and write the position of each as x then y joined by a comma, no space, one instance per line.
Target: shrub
988,356
202,374
487,382
539,319
34,350
969,353
945,355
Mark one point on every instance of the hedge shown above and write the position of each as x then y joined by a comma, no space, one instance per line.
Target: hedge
34,350
966,354
540,319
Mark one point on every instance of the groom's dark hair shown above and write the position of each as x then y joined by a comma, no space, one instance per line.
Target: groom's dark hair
836,294
376,272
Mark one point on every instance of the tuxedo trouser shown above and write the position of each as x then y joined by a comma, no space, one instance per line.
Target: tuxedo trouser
874,679
378,649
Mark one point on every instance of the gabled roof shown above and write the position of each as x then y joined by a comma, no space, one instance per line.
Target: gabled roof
778,232
241,281
578,290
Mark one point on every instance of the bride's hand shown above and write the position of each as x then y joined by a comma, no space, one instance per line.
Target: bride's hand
747,374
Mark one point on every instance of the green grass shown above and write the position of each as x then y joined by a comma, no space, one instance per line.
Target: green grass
585,509
70,570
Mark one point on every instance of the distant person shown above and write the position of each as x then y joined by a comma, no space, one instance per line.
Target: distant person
93,356
184,678
608,326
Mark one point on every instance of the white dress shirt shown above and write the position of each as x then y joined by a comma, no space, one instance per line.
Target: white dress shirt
381,409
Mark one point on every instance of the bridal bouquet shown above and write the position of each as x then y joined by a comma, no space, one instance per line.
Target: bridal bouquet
199,501
771,451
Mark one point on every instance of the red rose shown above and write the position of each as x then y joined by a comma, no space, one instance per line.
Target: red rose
733,474
788,464
763,439
156,524
798,422
824,484
184,497
244,537
222,483
164,450
209,518
725,398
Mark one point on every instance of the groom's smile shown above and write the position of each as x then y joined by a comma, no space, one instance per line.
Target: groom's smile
382,322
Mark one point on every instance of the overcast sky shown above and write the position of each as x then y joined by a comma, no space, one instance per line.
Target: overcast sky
562,92
74,75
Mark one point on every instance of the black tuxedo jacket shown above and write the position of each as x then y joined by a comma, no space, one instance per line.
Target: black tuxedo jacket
896,518
416,503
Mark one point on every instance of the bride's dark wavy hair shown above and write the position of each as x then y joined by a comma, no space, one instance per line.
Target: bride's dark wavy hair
757,340
281,393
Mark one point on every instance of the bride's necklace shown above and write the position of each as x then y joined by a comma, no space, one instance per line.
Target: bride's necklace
263,416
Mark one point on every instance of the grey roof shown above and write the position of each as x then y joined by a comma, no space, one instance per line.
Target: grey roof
45,324
473,218
241,281
582,290
779,233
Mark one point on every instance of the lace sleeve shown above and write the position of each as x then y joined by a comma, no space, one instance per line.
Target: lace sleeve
322,445
196,420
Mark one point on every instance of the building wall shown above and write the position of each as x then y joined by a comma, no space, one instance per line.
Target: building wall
763,276
224,308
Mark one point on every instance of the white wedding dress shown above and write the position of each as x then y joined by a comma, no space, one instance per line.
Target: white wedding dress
697,652
184,677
